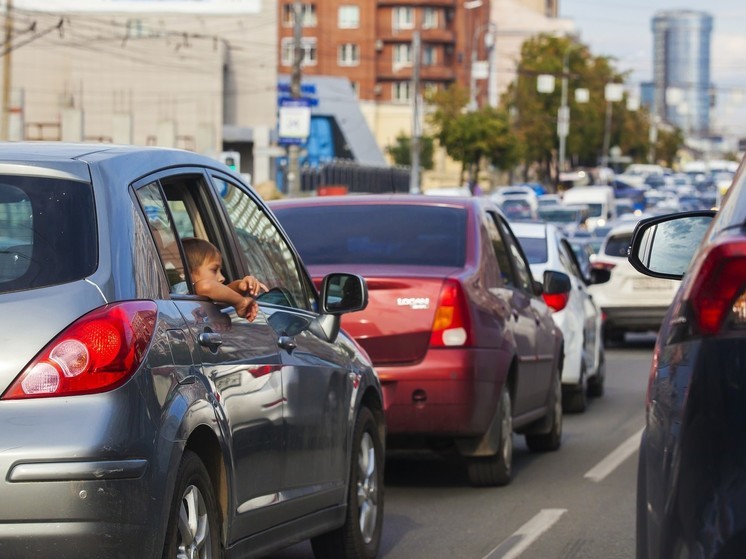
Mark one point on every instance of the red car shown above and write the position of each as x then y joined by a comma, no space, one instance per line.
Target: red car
456,326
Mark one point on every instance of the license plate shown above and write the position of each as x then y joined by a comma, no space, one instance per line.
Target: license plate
645,284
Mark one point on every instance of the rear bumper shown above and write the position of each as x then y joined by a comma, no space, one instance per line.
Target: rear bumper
78,478
638,319
452,392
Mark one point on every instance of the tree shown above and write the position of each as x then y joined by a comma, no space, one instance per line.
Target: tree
401,151
472,136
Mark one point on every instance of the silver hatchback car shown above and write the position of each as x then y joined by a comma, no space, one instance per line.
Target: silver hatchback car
142,420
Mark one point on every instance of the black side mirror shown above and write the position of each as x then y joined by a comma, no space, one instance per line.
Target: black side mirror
599,275
556,283
663,246
343,293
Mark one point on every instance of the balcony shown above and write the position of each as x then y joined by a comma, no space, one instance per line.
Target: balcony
419,3
443,36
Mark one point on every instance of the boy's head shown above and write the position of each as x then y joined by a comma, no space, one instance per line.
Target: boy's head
200,252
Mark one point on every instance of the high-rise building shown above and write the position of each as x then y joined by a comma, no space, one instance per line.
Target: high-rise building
681,69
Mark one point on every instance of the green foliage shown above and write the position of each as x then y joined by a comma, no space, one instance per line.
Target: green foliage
401,151
471,136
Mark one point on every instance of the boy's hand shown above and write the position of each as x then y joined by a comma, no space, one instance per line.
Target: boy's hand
249,285
247,308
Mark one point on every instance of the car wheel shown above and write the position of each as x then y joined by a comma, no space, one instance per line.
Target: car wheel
360,535
552,439
496,470
596,382
192,529
575,399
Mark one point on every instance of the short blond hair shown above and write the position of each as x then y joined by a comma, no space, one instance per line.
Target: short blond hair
198,251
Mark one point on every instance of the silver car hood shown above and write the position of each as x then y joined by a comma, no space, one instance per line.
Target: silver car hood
29,320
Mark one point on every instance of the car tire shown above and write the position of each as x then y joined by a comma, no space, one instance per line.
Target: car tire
484,471
551,440
575,398
360,535
194,500
596,382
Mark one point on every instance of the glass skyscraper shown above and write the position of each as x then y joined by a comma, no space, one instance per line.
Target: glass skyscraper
681,69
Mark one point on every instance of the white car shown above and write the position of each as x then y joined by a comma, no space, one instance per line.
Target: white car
629,301
575,313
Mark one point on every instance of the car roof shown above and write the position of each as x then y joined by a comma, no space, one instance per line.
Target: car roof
392,198
531,229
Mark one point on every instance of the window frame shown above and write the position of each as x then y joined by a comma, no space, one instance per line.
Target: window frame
348,48
402,23
346,22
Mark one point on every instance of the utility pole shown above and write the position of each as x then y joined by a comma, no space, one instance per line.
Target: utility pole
414,176
293,174
5,121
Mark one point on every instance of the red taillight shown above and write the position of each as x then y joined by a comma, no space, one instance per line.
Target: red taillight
98,352
557,301
601,265
451,326
717,286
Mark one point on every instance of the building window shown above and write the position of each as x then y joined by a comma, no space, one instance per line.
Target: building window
348,55
403,18
402,55
401,91
308,44
348,17
430,18
429,55
308,13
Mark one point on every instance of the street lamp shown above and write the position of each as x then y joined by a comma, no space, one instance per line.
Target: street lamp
472,5
613,92
484,67
563,114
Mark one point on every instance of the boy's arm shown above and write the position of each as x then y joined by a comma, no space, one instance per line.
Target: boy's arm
221,293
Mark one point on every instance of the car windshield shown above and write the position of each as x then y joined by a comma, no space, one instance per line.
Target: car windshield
535,249
47,232
595,210
377,234
559,215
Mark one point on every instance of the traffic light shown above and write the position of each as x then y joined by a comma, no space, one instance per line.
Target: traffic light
232,159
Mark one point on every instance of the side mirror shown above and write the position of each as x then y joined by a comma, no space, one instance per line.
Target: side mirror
343,293
599,275
556,283
663,246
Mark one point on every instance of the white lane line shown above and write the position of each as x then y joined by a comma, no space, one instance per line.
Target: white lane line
598,472
527,534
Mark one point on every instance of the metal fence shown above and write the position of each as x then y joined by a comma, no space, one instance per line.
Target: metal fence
356,178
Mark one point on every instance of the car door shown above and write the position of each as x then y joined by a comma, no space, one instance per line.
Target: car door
317,381
239,359
589,311
536,322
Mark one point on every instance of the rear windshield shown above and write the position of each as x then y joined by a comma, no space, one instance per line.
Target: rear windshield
47,232
617,245
377,234
535,249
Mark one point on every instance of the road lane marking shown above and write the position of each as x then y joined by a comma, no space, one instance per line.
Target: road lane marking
527,534
598,472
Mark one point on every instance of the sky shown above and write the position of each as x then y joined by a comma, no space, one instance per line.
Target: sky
622,29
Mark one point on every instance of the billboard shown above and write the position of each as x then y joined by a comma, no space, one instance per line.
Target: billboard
213,7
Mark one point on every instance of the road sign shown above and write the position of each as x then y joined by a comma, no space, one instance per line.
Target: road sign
306,88
294,121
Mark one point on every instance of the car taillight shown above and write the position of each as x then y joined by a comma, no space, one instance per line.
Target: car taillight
716,294
451,326
601,265
556,301
96,353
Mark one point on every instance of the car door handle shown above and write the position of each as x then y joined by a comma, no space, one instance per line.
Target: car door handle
287,342
210,340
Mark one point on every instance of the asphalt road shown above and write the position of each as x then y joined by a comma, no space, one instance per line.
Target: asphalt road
576,503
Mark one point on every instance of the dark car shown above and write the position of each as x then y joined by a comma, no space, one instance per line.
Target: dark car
465,346
691,485
143,421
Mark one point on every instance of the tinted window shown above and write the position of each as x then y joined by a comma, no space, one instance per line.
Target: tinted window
377,234
617,245
47,232
535,249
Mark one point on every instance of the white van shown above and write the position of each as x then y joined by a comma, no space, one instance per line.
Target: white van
600,202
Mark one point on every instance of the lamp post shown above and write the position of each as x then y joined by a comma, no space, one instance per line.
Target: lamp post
563,114
489,43
470,5
612,92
